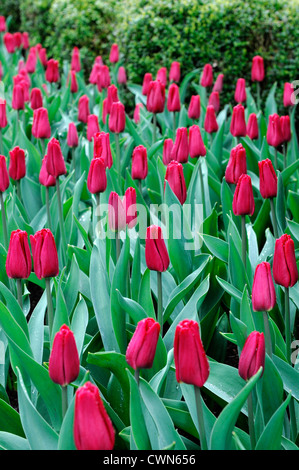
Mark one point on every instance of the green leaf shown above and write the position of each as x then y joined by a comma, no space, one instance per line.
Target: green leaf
138,427
272,434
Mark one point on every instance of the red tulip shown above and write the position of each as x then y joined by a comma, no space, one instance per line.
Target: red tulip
83,108
75,62
64,363
97,178
103,78
74,83
25,40
194,107
274,134
44,252
117,118
102,148
3,118
240,91
136,116
238,124
114,54
93,429
207,76
236,165
142,347
130,207
41,126
268,179
139,163
176,180
191,363
43,56
95,71
116,213
72,135
2,24
285,125
285,270
162,76
218,85
17,164
44,177
252,356
167,149
18,39
243,200
156,255
36,99
196,145
210,123
257,69
263,291
18,262
112,97
92,126
146,82
122,76
9,42
288,95
175,72
156,97
4,178
18,97
252,127
52,71
173,100
180,150
55,161
214,100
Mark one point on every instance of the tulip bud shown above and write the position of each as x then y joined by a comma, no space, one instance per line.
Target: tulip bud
142,347
175,72
285,124
180,150
116,213
130,206
243,200
173,100
196,145
25,40
156,97
64,363
18,98
55,161
252,356
114,54
4,178
207,76
44,252
288,95
93,429
176,180
237,165
41,128
93,77
263,291
43,56
238,123
74,83
92,126
167,149
3,118
31,60
194,107
214,100
112,97
162,76
72,135
52,71
257,69
139,163
17,164
117,118
268,179
36,99
9,42
240,91
136,116
103,77
102,148
274,134
18,262
75,62
156,255
285,270
2,24
44,177
122,76
210,123
147,79
252,127
191,363
218,85
83,108
97,178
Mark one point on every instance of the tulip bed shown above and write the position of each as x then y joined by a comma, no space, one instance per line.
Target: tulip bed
148,280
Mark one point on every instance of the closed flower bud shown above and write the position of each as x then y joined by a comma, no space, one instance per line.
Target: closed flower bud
121,76
18,97
191,363
114,54
263,291
196,145
18,262
176,180
136,116
83,108
129,202
3,118
240,91
18,39
288,95
285,125
17,164
116,213
41,128
44,177
214,100
4,178
142,347
268,179
93,429
162,76
64,363
155,97
43,56
9,42
25,40
252,356
218,85
55,161
117,118
285,270
2,24
103,77
93,77
97,178
252,127
243,200
173,100
139,163
210,123
167,149
112,97
44,252
92,126
237,165
180,150
52,71
36,99
147,79
207,76
75,62
101,148
31,60
74,83
194,107
156,254
274,134
238,123
257,69
175,72
72,135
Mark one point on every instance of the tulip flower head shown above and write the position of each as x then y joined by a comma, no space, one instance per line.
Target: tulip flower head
155,97
18,261
141,350
180,150
175,72
97,178
55,161
274,133
218,85
176,180
243,200
263,291
41,128
4,177
129,203
210,123
196,145
156,254
44,251
252,127
64,363
257,69
139,163
238,123
268,179
17,164
194,107
83,108
252,356
207,76
173,100
237,164
116,213
167,149
285,271
3,117
288,95
146,82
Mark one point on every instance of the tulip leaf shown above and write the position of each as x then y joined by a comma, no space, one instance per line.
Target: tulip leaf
138,427
9,441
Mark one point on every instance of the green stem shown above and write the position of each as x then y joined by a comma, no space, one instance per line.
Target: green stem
287,324
251,421
274,220
48,208
50,310
18,184
98,218
61,221
267,334
154,127
117,241
160,300
64,400
19,292
43,144
244,240
285,146
137,373
1,143
201,426
258,92
275,159
74,163
4,225
117,147
202,188
174,125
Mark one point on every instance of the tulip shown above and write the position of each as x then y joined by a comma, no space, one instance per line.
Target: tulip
214,100
130,206
17,164
285,270
167,149
93,77
9,42
210,123
36,99
136,116
237,165
263,291
18,262
18,39
117,118
18,98
55,161
274,134
75,62
139,163
240,91
112,97
3,118
72,135
162,76
122,76
93,429
25,40
146,82
31,60
83,108
114,54
252,356
42,53
285,125
238,123
175,178
175,72
257,69
252,127
64,363
45,178
288,95
243,200
41,125
218,85
268,179
74,83
52,71
141,350
173,100
180,150
156,254
45,258
103,78
194,107
116,213
196,145
207,76
156,97
2,24
102,148
97,178
4,178
92,126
